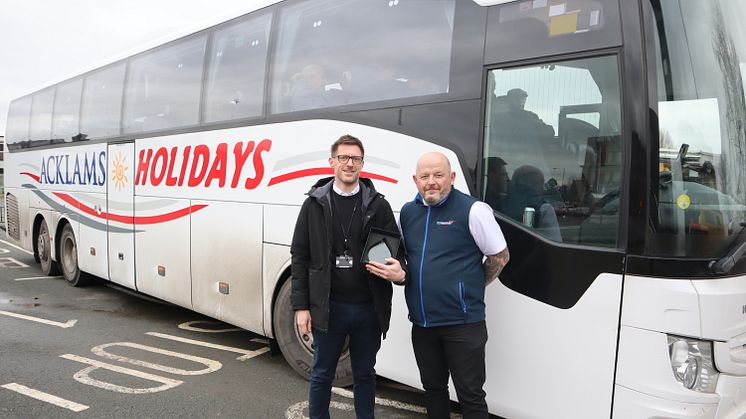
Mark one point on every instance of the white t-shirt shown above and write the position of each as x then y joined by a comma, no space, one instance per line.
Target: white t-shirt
485,230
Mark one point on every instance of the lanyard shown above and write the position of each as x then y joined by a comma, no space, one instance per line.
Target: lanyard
345,232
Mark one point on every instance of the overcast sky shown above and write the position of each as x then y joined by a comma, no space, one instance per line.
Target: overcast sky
43,42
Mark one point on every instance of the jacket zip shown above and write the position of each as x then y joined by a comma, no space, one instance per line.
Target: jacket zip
462,296
422,264
327,222
368,215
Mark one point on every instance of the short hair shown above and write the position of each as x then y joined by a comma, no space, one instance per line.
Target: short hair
517,92
529,176
347,139
493,163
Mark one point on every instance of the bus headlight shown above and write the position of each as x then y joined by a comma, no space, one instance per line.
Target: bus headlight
692,365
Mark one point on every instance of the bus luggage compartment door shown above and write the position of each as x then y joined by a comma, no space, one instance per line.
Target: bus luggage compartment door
121,210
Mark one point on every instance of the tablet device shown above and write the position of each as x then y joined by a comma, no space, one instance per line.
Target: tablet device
379,245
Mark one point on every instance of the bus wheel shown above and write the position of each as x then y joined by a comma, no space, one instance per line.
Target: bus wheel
296,347
69,258
44,250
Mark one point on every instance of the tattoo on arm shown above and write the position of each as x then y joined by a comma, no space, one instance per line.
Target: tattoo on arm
494,265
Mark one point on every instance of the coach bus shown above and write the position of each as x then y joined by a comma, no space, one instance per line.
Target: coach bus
609,136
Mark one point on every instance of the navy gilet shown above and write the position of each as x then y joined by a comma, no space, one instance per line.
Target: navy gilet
446,277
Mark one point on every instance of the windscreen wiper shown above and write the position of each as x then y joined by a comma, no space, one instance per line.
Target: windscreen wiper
727,262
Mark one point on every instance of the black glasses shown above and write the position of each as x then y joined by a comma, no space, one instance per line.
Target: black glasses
356,160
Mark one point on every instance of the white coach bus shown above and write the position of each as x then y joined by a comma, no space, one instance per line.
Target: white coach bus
621,125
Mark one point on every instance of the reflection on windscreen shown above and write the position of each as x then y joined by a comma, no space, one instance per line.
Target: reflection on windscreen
553,149
700,48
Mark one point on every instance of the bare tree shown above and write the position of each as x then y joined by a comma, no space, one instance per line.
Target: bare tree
666,142
735,114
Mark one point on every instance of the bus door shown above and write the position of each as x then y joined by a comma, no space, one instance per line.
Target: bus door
121,210
552,172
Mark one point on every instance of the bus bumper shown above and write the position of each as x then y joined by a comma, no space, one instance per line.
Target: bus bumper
634,404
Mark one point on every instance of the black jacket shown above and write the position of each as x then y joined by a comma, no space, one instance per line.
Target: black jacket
311,252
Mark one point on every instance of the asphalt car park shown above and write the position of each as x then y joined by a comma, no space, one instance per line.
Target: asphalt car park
107,352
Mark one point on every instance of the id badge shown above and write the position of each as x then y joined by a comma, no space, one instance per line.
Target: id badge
344,262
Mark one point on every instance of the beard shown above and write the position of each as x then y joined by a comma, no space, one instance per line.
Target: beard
432,199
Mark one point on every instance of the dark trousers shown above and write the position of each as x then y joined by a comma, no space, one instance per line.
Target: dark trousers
359,322
459,350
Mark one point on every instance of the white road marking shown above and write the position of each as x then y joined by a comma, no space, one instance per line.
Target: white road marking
383,402
11,263
16,247
296,411
4,251
67,324
31,278
83,376
45,397
248,354
188,326
211,365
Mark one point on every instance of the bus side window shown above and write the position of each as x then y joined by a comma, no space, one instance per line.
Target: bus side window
101,107
16,131
40,129
164,86
66,111
564,187
332,53
235,76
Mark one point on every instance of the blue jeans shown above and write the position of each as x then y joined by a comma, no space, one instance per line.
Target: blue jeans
359,322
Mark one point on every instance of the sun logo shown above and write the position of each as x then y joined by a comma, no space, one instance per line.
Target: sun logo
119,178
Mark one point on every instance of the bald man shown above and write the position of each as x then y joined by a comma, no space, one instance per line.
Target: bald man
447,234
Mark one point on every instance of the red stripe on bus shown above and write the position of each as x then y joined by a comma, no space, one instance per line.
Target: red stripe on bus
150,219
378,177
32,176
323,171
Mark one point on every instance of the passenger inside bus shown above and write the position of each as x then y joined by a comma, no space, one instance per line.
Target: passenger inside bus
526,193
518,132
310,88
497,182
528,121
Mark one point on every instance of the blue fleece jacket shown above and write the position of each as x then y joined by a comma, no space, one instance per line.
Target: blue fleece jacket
446,278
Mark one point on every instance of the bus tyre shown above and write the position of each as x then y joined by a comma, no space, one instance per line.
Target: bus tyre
44,250
69,258
297,348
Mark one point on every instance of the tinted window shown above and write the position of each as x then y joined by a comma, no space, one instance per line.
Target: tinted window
524,29
344,52
102,103
66,111
163,87
553,149
16,131
40,130
700,62
235,78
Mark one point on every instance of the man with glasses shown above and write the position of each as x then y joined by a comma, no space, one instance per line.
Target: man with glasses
333,294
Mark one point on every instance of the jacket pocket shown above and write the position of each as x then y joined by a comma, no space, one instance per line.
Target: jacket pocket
315,288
